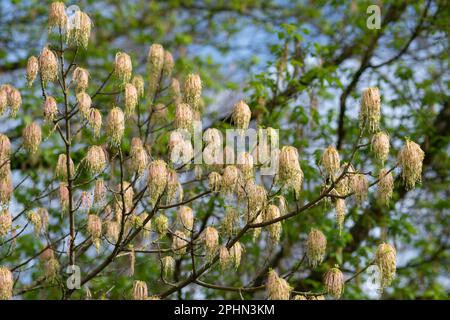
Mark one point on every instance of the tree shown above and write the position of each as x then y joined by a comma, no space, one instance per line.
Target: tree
91,159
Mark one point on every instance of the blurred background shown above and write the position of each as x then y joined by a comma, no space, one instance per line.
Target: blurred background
301,66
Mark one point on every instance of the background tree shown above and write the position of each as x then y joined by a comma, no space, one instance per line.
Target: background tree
301,67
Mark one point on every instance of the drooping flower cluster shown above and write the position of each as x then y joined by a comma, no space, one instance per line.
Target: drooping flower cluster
224,258
5,222
380,146
241,115
174,190
385,187
360,186
230,179
32,137
43,213
157,179
50,109
6,188
277,288
155,61
169,63
341,211
6,283
95,121
161,223
410,160
131,260
64,196
193,91
316,245
198,172
123,67
140,291
99,191
331,161
131,99
183,117
57,17
50,264
35,220
48,65
32,70
370,112
344,186
94,228
112,231
229,222
138,83
168,265
124,204
115,125
139,157
290,173
84,103
61,167
211,239
236,253
175,90
179,242
245,164
81,78
186,218
270,213
214,181
334,282
5,153
282,204
256,199
180,148
386,260
4,93
95,160
14,99
79,29
212,152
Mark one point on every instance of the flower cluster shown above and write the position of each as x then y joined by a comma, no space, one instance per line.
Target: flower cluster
386,259
277,287
316,245
410,160
334,282
10,97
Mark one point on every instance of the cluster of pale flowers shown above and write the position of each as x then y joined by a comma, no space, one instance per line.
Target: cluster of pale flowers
251,202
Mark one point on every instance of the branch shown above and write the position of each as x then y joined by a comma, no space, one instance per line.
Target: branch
392,15
413,36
